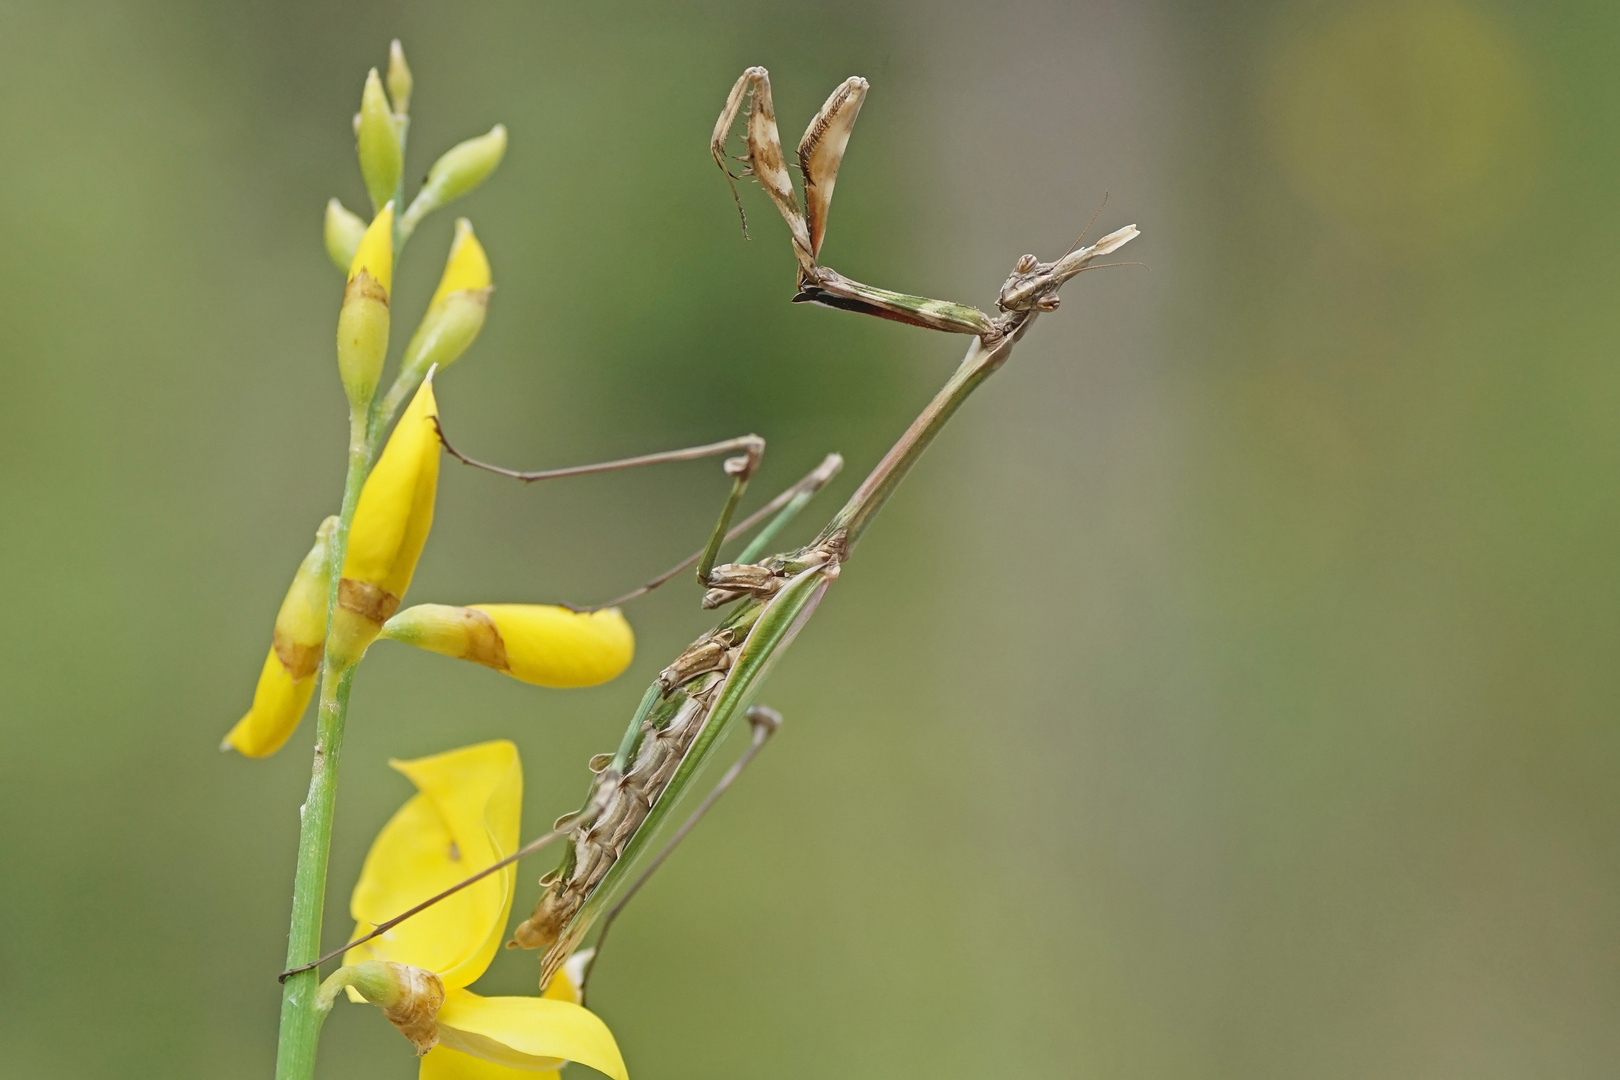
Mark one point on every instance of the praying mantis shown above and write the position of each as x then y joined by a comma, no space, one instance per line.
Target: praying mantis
687,710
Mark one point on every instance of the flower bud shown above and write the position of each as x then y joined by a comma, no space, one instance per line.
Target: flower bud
533,643
344,229
377,135
460,169
391,524
455,315
288,677
362,336
399,78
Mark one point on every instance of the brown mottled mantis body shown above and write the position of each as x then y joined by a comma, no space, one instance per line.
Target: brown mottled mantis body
687,708
686,711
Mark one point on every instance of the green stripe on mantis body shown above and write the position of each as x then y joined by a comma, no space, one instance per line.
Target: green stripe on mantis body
779,621
834,290
655,706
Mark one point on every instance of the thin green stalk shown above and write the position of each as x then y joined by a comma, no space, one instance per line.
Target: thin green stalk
300,1020
400,235
300,1015
386,408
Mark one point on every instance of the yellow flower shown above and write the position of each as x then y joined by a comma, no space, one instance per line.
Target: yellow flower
534,643
288,677
391,524
456,313
363,321
463,818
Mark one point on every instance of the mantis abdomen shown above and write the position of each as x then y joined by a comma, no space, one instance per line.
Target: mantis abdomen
626,799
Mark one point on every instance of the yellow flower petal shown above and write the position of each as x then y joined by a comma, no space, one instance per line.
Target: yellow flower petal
464,817
528,1032
467,267
375,255
395,512
288,677
443,1063
566,984
279,702
552,646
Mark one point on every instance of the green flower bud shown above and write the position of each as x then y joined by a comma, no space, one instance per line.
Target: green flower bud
447,330
399,78
461,168
343,232
381,159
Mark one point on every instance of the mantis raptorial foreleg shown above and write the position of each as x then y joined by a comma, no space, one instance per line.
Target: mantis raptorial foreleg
821,152
765,722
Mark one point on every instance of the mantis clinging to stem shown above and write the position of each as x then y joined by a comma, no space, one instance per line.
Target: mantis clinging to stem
686,712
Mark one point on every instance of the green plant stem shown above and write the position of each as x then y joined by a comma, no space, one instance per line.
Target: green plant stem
384,408
387,407
300,1019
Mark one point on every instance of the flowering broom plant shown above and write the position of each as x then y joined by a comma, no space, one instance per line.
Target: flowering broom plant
347,593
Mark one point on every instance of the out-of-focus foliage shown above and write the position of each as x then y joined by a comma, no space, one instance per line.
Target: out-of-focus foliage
1230,693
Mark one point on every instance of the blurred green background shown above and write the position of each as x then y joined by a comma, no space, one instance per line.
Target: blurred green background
1231,693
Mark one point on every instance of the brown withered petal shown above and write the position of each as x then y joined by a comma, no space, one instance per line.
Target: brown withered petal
416,1011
